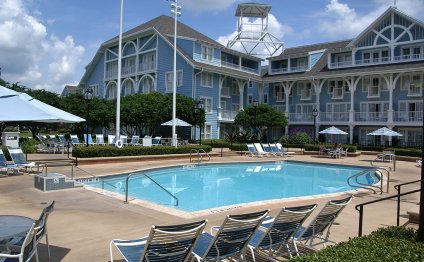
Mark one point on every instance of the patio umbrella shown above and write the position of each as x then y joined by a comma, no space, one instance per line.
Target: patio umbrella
333,131
15,106
178,122
384,131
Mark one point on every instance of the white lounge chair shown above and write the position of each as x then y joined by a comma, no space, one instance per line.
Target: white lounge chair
75,140
20,161
111,140
419,163
4,165
260,150
283,150
124,140
252,150
268,149
100,140
135,141
157,141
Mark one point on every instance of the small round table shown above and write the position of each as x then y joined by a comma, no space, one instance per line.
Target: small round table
12,226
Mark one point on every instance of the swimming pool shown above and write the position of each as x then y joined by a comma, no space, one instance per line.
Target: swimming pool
199,187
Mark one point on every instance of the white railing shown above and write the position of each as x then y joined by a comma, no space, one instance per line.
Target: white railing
238,67
230,65
146,67
371,116
334,116
414,90
289,70
378,61
228,115
408,116
128,70
111,74
301,117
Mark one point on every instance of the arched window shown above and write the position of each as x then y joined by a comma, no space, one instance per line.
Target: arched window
128,87
147,84
111,91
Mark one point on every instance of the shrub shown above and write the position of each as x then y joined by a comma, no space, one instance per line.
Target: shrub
216,143
111,151
312,147
238,147
385,244
28,145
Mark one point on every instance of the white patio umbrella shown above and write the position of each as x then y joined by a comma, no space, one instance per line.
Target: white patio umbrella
15,106
178,122
333,131
384,131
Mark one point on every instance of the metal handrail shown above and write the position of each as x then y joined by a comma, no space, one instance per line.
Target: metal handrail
151,179
202,150
361,206
398,188
199,155
364,186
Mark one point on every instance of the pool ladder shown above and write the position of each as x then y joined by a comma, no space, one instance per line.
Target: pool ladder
199,153
151,179
379,171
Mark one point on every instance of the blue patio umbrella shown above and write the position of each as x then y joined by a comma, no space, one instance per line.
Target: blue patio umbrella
15,106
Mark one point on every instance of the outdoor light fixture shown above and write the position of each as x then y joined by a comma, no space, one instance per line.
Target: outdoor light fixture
88,95
255,105
315,114
176,11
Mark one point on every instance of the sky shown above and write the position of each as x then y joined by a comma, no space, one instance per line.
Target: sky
46,44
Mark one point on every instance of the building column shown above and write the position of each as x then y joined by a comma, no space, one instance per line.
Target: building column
352,84
391,85
351,133
261,90
241,84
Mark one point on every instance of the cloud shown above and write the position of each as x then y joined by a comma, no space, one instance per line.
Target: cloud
275,28
206,5
343,21
29,55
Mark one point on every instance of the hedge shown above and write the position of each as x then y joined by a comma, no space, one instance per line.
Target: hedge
385,244
216,143
316,147
111,151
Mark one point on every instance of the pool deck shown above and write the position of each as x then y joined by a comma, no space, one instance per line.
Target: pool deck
84,222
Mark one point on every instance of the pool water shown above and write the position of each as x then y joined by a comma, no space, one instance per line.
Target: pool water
199,187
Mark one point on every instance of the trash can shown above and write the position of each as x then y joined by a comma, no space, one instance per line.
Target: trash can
147,141
10,139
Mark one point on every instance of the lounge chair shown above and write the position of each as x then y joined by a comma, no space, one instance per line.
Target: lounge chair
283,150
111,140
62,139
75,140
276,233
100,140
57,145
386,155
4,165
276,151
268,149
231,238
26,251
157,141
135,141
164,243
321,224
252,150
90,139
124,140
260,150
20,161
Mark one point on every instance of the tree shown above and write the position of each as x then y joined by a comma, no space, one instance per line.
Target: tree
261,118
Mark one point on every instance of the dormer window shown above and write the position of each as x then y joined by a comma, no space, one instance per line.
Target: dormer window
207,53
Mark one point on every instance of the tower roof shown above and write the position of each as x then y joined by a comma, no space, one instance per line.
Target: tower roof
253,10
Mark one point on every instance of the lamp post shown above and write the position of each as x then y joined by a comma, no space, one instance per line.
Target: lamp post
255,105
315,114
198,109
88,95
176,11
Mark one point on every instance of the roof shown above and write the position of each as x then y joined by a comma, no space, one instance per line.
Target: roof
253,10
302,51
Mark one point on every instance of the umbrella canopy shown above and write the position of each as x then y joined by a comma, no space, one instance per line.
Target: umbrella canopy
15,106
333,131
384,131
178,122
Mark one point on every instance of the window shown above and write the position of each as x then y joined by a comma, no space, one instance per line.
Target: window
128,66
235,89
225,91
385,55
337,112
207,131
148,62
208,104
207,79
279,93
265,98
414,88
207,53
336,88
249,99
343,59
305,90
169,78
95,89
406,53
128,88
371,85
410,110
366,57
111,91
146,85
112,70
416,52
235,107
250,84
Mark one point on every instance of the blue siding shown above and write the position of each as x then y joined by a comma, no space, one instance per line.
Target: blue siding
314,58
96,77
186,45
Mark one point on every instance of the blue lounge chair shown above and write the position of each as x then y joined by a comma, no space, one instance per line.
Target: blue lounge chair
135,141
164,243
231,238
321,224
157,141
20,161
260,150
268,150
90,139
278,232
75,140
4,165
252,150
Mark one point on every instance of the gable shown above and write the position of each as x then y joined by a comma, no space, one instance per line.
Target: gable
391,27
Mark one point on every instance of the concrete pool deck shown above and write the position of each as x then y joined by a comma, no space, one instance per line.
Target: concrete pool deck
84,221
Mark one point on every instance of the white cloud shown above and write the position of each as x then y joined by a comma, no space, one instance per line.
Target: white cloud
343,21
206,5
275,28
29,56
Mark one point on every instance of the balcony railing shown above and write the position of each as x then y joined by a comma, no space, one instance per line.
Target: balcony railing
228,115
238,67
378,61
127,70
291,70
146,67
110,74
334,116
371,116
300,117
408,116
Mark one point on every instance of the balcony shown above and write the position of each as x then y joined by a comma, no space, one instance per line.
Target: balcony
146,67
227,115
300,117
111,74
127,70
408,116
371,116
378,61
289,70
238,67
334,117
